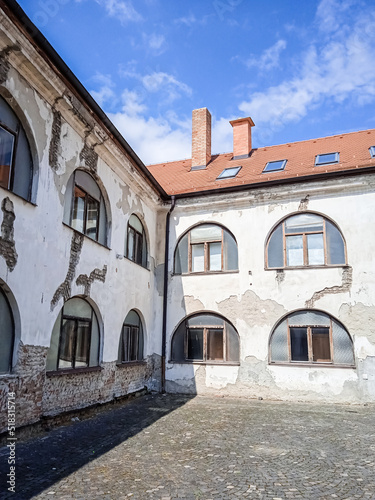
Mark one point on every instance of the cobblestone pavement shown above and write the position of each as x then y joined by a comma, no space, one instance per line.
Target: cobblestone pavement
168,447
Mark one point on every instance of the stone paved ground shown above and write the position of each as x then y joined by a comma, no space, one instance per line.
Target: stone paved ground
168,447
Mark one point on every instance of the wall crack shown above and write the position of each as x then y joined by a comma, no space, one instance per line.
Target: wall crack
347,279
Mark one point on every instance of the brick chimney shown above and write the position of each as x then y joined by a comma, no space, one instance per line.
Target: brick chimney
201,139
241,137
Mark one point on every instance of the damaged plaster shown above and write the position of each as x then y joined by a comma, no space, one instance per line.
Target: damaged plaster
347,279
360,319
5,66
89,157
65,289
55,143
190,304
251,309
304,203
7,243
95,275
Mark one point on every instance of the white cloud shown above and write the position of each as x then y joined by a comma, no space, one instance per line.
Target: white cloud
190,20
269,58
105,93
123,10
156,43
339,69
166,83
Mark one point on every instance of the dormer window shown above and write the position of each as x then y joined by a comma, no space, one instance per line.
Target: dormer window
229,173
372,151
327,158
273,166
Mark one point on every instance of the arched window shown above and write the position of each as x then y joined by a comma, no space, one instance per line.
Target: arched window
84,208
136,246
206,338
305,240
75,337
16,165
6,334
131,341
206,248
311,337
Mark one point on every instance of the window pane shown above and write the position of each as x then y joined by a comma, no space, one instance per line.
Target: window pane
279,343
7,336
230,253
178,342
182,256
275,248
215,347
131,236
195,343
197,258
320,344
308,317
298,344
94,342
78,308
132,318
6,154
335,245
294,251
205,320
78,215
205,232
87,183
232,343
342,345
315,249
304,223
133,343
215,256
67,343
83,343
125,343
92,218
135,223
138,248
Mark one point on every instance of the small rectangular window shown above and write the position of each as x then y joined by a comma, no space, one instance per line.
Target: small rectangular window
195,343
372,151
298,344
273,166
229,173
321,344
327,158
215,345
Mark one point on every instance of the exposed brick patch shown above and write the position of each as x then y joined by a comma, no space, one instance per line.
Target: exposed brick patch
347,279
65,289
55,143
86,281
28,384
280,276
89,157
304,203
7,243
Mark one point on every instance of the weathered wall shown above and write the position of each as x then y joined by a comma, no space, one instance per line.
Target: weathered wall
43,262
255,299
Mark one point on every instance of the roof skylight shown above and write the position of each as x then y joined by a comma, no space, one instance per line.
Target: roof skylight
229,173
273,166
327,158
372,151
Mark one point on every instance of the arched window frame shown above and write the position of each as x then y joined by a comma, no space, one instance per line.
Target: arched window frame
23,147
311,349
207,331
136,248
75,319
83,186
8,360
304,237
225,233
131,348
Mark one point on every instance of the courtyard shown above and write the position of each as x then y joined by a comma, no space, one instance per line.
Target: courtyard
172,446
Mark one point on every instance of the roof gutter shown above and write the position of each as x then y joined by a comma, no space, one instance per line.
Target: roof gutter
46,50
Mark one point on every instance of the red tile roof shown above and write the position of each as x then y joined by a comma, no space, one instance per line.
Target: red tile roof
176,178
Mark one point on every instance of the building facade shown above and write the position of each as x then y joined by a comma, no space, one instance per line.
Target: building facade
268,288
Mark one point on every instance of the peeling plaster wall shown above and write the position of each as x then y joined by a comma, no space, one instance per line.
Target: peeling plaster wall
44,262
255,299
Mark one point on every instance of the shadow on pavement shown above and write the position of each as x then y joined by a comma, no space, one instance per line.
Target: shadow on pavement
43,461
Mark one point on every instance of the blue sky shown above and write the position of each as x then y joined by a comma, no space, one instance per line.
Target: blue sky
300,69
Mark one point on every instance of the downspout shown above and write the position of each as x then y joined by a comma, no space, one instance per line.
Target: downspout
165,296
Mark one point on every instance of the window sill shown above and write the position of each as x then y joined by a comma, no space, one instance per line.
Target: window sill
311,365
127,364
294,268
209,363
74,371
136,263
19,196
208,273
85,235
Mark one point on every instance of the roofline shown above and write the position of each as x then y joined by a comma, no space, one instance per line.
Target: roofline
276,182
48,52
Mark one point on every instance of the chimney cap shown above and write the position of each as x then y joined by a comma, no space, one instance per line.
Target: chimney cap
241,120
